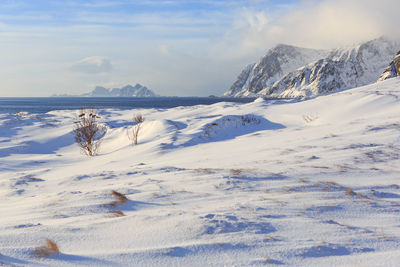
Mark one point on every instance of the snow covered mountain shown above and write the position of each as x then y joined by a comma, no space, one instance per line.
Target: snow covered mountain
288,71
393,70
278,62
127,91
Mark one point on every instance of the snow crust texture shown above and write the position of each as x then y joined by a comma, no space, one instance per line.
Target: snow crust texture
292,72
283,182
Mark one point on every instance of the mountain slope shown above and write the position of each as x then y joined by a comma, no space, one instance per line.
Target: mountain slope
393,70
337,70
278,62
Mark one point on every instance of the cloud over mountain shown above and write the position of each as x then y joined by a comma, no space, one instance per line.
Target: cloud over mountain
92,65
315,24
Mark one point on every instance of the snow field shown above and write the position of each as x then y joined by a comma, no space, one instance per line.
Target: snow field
311,183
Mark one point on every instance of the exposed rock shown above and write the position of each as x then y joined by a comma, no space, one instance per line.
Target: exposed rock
393,70
288,71
278,62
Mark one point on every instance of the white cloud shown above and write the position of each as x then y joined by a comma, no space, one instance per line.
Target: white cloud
92,65
316,24
173,51
163,49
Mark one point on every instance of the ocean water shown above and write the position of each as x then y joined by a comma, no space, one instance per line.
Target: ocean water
46,104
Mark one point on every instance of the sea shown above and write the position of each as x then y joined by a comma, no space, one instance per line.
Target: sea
14,105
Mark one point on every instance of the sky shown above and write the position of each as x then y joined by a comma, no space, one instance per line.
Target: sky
174,47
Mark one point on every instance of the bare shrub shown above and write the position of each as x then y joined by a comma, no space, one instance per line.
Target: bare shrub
47,250
249,119
134,133
88,132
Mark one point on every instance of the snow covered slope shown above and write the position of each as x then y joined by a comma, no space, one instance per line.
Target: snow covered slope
278,62
339,69
297,183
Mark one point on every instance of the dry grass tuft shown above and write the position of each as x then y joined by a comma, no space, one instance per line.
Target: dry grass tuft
236,171
271,238
350,192
118,213
121,198
118,195
47,250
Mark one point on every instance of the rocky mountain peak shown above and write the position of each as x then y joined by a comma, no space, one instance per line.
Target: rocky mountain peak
127,91
393,70
278,61
288,71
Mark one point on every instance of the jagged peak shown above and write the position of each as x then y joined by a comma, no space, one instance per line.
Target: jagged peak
393,70
299,70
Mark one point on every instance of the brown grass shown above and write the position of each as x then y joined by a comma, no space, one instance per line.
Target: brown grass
121,198
236,171
270,237
50,248
118,213
350,192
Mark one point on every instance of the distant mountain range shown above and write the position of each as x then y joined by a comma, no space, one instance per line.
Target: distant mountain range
127,91
289,71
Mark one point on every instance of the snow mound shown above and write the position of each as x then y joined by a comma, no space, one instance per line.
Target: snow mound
154,131
231,126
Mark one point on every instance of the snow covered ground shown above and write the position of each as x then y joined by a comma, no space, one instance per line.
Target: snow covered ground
312,183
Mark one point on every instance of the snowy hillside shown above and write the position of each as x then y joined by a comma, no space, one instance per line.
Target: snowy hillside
298,183
339,69
278,62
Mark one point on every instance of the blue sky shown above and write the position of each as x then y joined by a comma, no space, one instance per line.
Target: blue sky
174,47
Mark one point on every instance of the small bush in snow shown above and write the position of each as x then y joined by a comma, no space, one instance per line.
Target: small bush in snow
134,133
88,132
249,119
230,121
47,250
